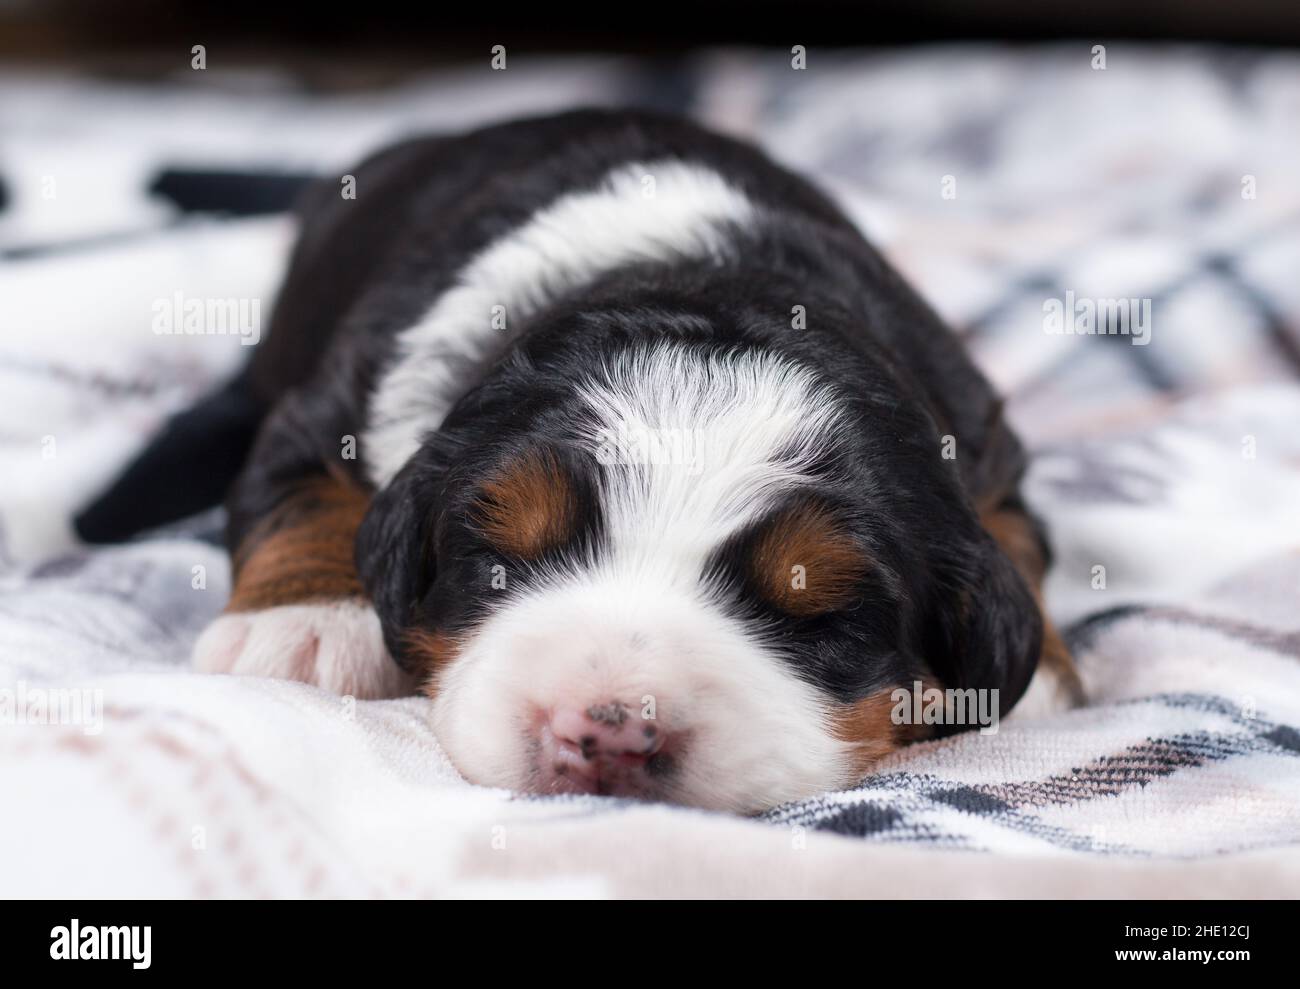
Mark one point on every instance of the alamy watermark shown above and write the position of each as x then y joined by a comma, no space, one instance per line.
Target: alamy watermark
26,705
922,705
181,316
104,943
627,445
1083,316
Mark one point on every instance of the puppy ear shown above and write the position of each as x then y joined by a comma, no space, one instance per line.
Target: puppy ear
395,554
988,632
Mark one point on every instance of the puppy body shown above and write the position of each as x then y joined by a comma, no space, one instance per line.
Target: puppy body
663,480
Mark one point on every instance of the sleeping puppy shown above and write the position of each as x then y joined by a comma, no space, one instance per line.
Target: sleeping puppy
620,443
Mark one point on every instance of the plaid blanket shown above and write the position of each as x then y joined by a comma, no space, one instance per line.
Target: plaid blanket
1014,188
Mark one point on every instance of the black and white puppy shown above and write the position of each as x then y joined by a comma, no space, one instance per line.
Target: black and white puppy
618,441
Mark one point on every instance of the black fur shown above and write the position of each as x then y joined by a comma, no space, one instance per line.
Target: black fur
186,469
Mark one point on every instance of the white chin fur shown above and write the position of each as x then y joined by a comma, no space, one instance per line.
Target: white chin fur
336,645
756,734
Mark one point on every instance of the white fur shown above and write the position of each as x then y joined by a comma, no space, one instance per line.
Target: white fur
758,424
561,247
338,646
756,734
643,621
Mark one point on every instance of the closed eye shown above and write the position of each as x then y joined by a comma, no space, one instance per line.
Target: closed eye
805,562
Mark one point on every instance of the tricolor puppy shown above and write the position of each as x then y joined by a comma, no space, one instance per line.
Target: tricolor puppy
620,443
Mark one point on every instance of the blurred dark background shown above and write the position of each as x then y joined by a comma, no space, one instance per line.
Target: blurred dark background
143,35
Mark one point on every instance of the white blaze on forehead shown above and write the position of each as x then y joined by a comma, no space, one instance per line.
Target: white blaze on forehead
695,446
638,212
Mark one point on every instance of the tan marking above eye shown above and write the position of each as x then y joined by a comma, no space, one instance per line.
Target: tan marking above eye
806,564
528,508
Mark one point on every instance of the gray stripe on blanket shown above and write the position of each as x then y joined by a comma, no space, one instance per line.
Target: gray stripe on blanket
906,807
1083,634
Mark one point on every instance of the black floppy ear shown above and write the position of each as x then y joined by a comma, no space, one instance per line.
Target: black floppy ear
988,632
395,552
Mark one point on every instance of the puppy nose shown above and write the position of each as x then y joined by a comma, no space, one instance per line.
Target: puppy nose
606,731
602,748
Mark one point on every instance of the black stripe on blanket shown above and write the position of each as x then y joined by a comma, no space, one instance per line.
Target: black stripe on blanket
233,193
1082,635
905,807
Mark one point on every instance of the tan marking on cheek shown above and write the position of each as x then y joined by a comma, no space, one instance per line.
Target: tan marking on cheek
868,725
430,653
1016,536
1014,533
806,565
528,509
303,551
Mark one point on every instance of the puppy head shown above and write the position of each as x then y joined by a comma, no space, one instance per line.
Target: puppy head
694,576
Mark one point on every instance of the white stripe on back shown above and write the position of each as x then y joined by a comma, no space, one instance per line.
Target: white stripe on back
562,247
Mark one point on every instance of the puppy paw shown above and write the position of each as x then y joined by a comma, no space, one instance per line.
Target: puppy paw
337,645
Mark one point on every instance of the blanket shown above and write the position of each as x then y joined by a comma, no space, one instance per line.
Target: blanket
1024,192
